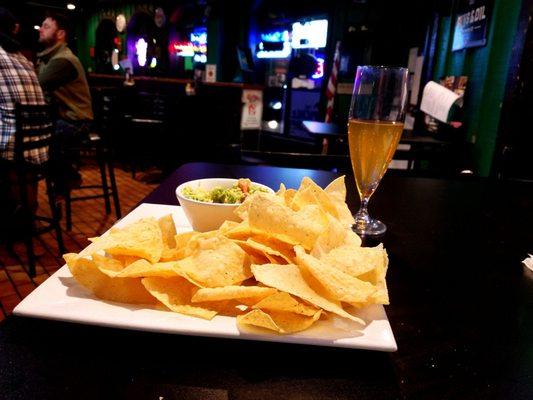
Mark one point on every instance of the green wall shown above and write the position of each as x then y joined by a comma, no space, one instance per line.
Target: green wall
86,32
486,68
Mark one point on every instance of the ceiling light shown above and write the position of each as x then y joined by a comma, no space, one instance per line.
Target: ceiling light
272,124
36,27
71,6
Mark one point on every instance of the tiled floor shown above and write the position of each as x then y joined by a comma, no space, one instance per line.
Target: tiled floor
88,219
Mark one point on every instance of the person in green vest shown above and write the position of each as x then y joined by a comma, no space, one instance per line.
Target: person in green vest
63,79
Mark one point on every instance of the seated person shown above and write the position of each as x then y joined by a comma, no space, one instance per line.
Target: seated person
18,84
62,77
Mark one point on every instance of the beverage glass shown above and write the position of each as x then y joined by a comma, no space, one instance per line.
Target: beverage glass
375,126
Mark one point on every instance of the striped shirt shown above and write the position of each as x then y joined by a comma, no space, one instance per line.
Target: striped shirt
18,84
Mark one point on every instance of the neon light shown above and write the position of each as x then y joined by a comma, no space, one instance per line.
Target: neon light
286,52
184,49
319,73
275,37
141,46
153,63
201,58
187,49
199,37
278,36
202,48
312,34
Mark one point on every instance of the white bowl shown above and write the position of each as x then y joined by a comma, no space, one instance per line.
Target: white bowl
209,216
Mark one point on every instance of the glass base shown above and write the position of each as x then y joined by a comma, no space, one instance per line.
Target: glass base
369,226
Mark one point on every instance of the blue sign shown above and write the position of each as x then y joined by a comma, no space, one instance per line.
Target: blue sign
471,24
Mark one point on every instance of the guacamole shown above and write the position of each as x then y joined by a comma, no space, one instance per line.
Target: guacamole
232,195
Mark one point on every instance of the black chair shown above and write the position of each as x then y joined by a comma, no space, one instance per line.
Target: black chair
34,131
147,126
97,143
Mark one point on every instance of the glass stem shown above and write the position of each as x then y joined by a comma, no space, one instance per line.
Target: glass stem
362,218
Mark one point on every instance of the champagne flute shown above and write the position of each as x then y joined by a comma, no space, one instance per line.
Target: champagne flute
375,126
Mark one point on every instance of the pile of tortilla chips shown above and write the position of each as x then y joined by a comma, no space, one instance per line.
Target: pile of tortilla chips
291,261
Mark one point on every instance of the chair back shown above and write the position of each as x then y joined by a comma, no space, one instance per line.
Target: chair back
149,108
34,131
107,113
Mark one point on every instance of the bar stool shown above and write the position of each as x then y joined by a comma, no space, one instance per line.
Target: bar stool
147,127
98,144
34,131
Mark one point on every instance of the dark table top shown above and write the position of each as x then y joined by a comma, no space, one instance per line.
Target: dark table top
330,130
322,128
461,311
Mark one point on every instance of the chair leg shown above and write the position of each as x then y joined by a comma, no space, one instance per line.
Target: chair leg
114,189
105,187
56,217
28,242
68,210
28,218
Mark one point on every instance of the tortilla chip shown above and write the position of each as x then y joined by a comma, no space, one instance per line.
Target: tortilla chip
216,261
240,232
172,254
281,322
285,249
335,235
310,193
122,290
168,230
288,278
304,226
377,277
366,263
175,294
107,263
267,250
231,293
281,191
287,196
337,193
228,226
142,268
183,239
141,239
243,210
338,285
125,260
282,301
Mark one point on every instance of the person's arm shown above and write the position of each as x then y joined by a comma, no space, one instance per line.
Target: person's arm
59,72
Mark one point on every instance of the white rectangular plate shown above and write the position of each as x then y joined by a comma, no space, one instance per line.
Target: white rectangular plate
61,298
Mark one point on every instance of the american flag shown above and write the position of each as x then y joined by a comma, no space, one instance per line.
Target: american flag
332,83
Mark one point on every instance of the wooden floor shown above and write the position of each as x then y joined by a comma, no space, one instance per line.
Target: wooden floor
88,219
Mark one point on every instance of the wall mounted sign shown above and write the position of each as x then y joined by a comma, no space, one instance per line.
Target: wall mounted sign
437,101
471,24
252,109
210,72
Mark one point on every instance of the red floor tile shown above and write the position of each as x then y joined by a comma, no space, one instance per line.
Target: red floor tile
88,218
